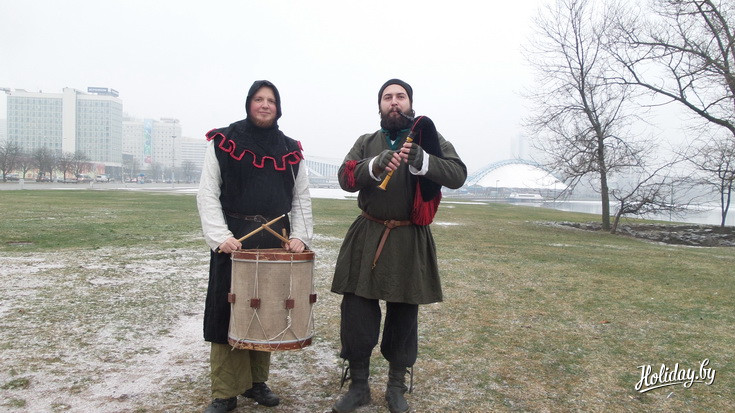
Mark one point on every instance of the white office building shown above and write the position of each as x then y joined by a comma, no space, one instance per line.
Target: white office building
68,122
152,143
192,150
3,130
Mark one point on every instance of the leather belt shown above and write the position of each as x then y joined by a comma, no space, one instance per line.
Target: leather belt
389,225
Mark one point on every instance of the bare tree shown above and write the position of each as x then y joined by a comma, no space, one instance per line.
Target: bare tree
44,159
10,153
581,123
64,163
80,163
156,169
189,170
130,167
25,163
648,192
715,160
685,52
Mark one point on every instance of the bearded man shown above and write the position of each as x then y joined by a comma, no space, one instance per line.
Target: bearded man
389,252
251,175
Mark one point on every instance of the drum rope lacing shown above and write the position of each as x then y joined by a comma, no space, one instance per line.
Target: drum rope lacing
288,316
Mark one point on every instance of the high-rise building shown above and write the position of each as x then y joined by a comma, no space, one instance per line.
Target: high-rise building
68,122
153,144
192,150
4,91
3,130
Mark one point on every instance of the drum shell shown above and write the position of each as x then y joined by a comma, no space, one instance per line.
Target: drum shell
271,276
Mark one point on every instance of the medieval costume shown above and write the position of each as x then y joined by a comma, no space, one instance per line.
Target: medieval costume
251,175
389,254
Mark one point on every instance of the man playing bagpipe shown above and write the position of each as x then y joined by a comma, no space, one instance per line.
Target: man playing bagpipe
389,252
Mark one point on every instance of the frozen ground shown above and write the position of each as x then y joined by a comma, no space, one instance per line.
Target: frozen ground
119,330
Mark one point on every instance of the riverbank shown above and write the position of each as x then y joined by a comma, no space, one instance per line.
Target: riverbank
107,290
690,235
708,214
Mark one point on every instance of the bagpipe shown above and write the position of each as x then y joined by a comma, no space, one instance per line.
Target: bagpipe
428,193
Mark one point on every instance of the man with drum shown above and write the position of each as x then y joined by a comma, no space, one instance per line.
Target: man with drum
252,174
389,252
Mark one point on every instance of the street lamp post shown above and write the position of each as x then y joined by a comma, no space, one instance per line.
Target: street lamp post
173,158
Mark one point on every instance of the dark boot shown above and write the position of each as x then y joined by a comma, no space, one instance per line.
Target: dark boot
359,392
396,389
262,394
222,405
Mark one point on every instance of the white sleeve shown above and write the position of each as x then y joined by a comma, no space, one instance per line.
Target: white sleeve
370,169
302,221
214,225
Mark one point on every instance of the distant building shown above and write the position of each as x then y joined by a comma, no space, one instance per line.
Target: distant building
4,91
151,141
68,122
192,150
3,130
322,171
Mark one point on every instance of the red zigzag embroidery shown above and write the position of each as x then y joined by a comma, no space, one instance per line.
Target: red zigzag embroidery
229,146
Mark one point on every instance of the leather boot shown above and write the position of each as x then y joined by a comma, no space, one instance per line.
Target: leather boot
222,405
396,388
261,393
359,392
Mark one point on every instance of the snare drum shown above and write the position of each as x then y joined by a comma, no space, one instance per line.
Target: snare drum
271,299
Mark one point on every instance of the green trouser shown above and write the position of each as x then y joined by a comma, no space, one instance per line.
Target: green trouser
233,371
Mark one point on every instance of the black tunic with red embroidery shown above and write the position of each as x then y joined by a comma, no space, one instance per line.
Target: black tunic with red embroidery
258,167
406,270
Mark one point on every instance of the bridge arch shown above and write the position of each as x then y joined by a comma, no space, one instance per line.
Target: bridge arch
514,173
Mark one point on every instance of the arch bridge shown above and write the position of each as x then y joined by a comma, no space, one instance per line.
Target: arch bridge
477,176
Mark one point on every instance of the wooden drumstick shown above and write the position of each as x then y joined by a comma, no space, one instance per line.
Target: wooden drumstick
261,228
285,235
255,231
277,235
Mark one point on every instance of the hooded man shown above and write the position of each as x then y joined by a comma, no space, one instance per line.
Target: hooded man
389,252
252,174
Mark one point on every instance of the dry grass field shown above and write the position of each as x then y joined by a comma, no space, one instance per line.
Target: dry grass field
103,292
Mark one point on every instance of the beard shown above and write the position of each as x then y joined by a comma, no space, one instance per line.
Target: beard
265,124
395,123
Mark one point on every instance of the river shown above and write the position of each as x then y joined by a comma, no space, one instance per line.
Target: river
709,215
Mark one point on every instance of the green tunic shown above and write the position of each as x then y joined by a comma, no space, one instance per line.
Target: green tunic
407,270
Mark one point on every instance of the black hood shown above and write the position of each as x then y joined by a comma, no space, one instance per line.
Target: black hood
254,88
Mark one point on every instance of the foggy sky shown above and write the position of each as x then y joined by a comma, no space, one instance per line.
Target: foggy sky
195,61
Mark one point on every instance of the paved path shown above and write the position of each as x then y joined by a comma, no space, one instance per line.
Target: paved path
97,186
